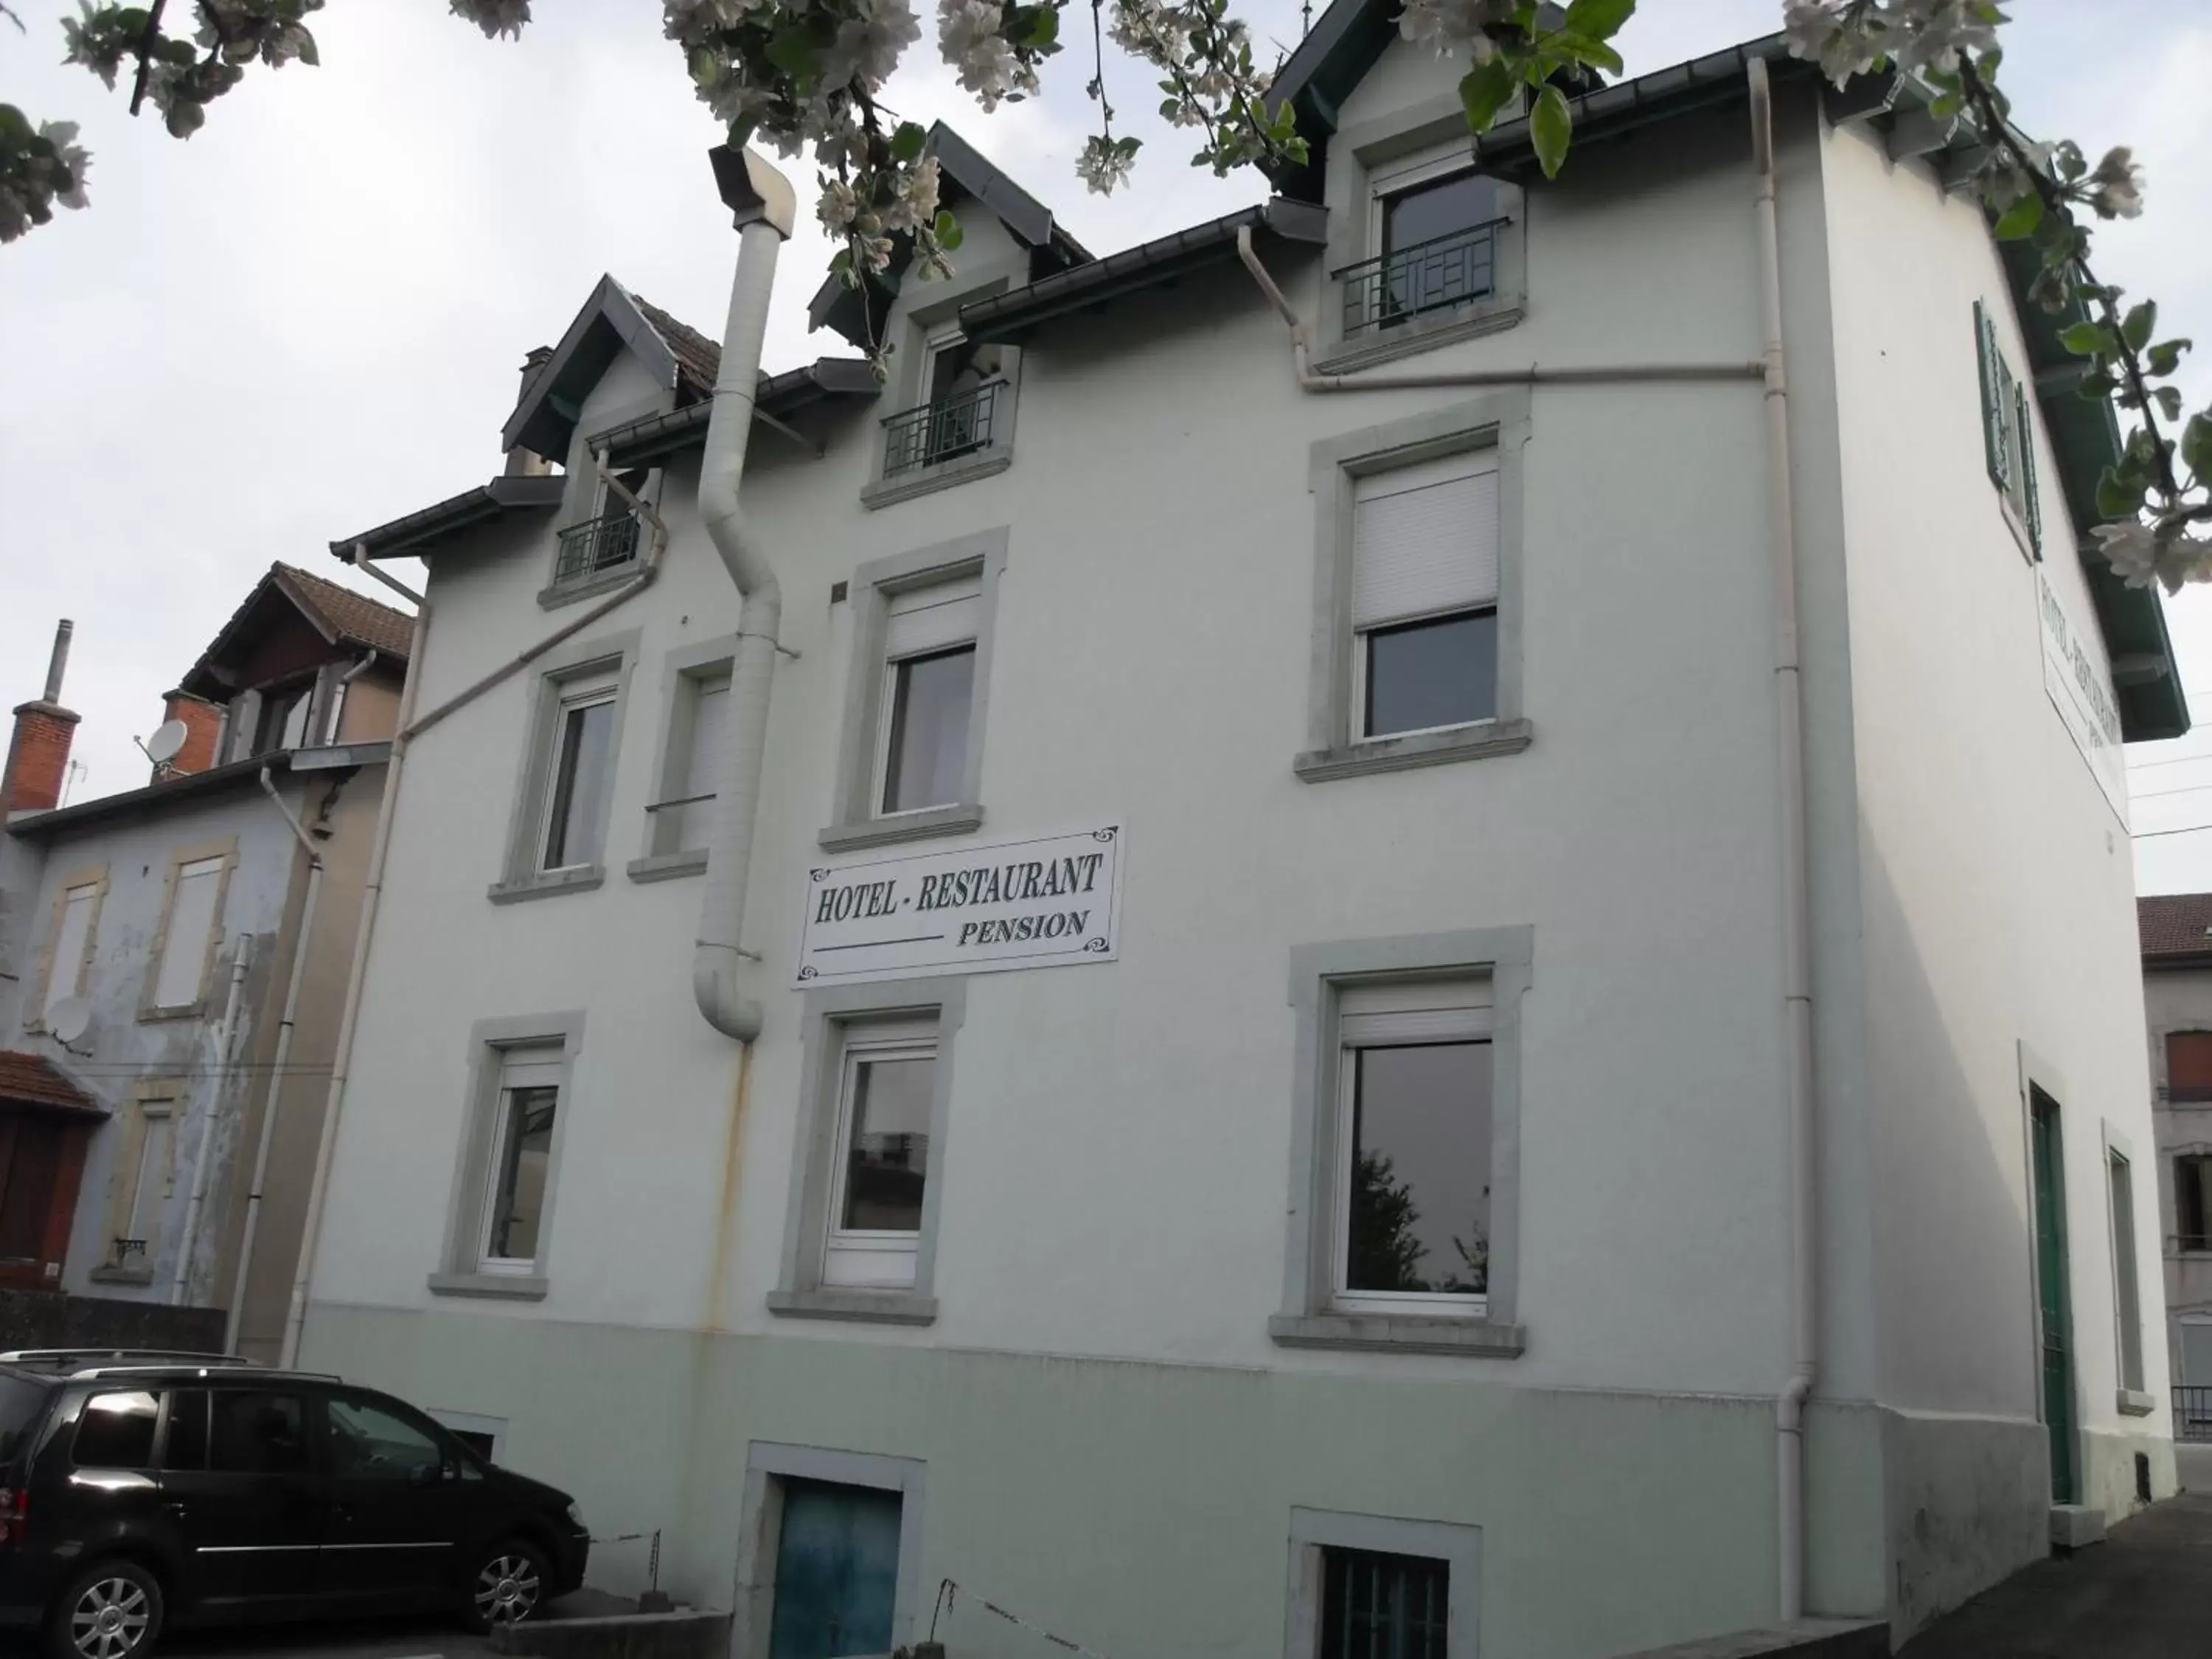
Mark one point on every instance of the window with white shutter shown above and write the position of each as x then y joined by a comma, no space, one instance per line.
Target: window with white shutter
2008,431
1425,595
196,891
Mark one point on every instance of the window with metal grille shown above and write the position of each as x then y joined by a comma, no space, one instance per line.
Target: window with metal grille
2192,1200
1380,1606
2189,1066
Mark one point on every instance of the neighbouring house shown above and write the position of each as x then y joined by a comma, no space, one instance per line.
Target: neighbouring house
1281,1070
176,958
2176,969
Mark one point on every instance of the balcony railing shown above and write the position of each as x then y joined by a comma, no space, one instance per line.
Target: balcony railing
127,1247
595,546
1432,276
2192,1412
958,425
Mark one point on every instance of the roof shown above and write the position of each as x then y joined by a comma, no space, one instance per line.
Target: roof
195,787
778,397
2176,929
339,614
420,532
1012,316
612,320
698,359
35,1081
965,175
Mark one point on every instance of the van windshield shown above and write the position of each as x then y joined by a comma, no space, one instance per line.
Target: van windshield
22,1408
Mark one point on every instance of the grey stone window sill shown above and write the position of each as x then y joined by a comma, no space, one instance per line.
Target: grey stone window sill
188,1010
1477,317
1422,749
874,1307
944,476
2134,1402
552,599
514,1287
665,867
545,885
106,1275
1402,1334
905,826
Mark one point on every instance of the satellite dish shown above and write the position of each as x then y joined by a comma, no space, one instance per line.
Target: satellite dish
70,1018
168,738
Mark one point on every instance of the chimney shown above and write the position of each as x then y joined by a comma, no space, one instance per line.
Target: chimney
528,463
203,724
38,753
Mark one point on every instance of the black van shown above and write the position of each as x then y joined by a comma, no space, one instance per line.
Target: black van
137,1489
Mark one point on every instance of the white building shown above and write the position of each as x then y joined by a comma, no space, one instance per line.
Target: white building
1381,800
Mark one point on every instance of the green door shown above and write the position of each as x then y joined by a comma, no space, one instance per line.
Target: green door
836,1571
2050,1292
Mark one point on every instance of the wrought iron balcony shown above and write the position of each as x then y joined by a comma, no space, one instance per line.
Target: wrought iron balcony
1432,276
127,1247
958,425
595,546
2192,1412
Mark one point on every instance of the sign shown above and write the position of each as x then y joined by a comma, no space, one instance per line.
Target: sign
1044,903
2081,693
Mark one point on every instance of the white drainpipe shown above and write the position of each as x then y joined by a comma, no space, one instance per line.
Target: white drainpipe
302,944
180,1287
1800,1101
762,199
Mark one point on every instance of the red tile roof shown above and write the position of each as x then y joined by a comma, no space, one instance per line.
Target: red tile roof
32,1081
698,359
351,616
2175,924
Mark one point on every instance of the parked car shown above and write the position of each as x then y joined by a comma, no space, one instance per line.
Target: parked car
139,1490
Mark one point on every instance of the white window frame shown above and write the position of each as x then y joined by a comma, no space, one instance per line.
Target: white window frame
1408,1026
684,672
953,590
154,1100
1428,166
503,1123
2130,1339
577,675
465,1267
62,980
871,1258
591,692
189,863
150,1113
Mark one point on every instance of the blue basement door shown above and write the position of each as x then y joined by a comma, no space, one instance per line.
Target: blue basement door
836,1571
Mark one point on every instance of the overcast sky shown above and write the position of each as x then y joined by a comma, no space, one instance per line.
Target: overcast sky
308,319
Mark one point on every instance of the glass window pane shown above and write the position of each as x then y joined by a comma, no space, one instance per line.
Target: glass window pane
187,1447
2189,1065
368,1442
580,781
1442,273
1379,1605
1420,1208
887,1160
116,1431
927,758
1428,211
255,1432
525,1146
1441,672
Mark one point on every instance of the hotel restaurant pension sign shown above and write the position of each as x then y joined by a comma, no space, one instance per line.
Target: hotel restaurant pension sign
1043,903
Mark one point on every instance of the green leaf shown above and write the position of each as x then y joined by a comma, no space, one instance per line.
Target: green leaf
790,51
2097,384
1944,107
1483,91
1595,53
2166,356
310,54
2020,219
948,232
2135,328
2087,339
2197,446
2169,401
907,142
1598,19
2118,497
1551,124
1043,30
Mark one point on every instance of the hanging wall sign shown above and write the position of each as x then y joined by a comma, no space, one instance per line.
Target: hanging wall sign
1049,902
2079,691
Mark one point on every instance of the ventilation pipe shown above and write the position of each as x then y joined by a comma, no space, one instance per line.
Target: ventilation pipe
764,208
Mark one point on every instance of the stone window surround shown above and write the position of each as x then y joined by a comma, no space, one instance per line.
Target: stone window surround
827,1013
994,457
226,849
691,662
2130,1402
1497,419
1459,1546
1356,155
1308,1319
459,1271
769,1464
854,821
519,876
130,1144
582,494
94,876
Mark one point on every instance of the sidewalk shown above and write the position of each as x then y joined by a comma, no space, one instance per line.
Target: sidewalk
2145,1593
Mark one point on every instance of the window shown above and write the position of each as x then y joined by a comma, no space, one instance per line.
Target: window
2008,434
610,539
31,1157
282,721
1425,595
116,1431
186,1447
884,1102
957,410
368,1442
253,1431
875,1090
696,751
522,1143
2192,1200
147,1180
1379,1605
188,934
911,757
75,915
2188,1066
1437,247
1404,1205
583,744
2127,1294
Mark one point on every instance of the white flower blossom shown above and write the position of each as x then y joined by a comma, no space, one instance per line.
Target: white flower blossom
1445,25
2115,187
838,207
868,47
1104,164
969,35
916,205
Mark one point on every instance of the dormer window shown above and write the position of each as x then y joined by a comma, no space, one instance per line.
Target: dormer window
962,381
609,541
1436,239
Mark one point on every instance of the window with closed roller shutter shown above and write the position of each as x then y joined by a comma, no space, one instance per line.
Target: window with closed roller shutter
1425,595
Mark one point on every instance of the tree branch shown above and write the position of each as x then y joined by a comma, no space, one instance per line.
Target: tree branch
146,40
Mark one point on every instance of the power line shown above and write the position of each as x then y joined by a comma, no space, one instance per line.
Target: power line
2153,834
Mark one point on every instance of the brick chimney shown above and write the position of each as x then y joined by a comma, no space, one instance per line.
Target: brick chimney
203,724
528,463
38,753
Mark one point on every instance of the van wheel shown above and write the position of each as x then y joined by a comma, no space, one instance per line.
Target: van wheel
112,1610
506,1588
